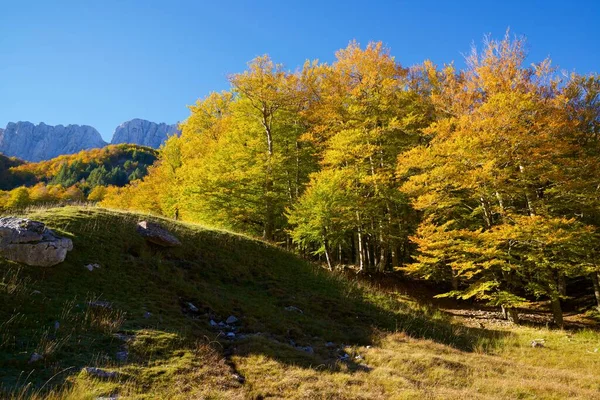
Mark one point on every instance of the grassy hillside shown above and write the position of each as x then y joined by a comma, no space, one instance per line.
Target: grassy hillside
146,314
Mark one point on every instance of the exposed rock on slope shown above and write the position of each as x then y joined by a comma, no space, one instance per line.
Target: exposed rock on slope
30,242
42,142
156,234
142,132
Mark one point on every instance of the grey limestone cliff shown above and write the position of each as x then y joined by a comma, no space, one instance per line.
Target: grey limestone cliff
42,142
142,132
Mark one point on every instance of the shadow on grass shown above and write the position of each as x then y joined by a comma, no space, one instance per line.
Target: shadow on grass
222,274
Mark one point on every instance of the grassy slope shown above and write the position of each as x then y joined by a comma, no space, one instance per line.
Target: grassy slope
174,353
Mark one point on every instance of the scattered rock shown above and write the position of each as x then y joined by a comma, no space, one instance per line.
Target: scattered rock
213,323
192,307
238,378
230,335
154,233
308,349
30,242
56,325
122,355
36,292
345,357
329,344
100,304
538,343
221,324
123,336
147,314
231,320
294,309
91,267
358,357
100,373
35,357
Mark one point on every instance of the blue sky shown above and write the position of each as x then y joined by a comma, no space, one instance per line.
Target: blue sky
101,63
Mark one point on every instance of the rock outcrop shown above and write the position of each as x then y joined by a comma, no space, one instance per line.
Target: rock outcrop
154,233
30,242
142,132
42,142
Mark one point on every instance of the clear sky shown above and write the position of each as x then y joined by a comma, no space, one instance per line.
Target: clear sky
104,62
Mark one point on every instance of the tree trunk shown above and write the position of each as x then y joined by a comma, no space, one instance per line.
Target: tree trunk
562,284
530,208
327,256
557,312
361,252
454,280
269,211
596,282
512,314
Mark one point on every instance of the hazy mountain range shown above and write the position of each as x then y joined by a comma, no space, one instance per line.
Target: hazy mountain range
31,142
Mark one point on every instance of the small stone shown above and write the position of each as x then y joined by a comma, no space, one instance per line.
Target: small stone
100,304
358,357
230,335
294,309
308,349
35,357
221,324
122,355
238,378
538,343
100,373
231,320
213,323
123,336
56,325
147,314
91,267
36,292
329,344
192,307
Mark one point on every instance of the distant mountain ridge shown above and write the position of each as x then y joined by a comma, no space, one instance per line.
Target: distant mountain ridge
31,142
142,132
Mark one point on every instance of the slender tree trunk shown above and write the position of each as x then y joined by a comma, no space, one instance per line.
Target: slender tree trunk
596,282
327,256
487,214
557,312
368,252
527,198
297,188
269,209
361,253
454,280
500,201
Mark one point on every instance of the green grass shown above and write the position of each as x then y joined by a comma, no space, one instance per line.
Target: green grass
413,351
